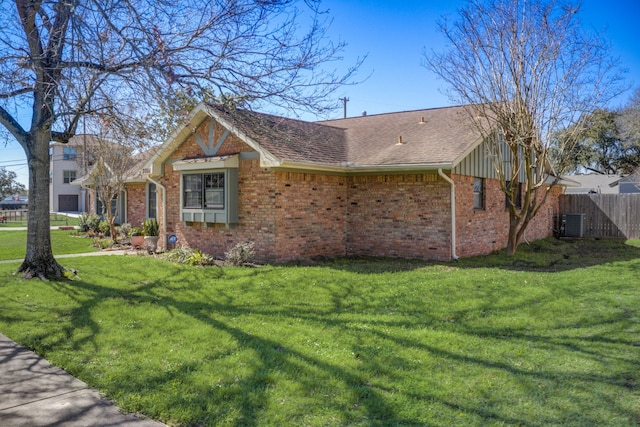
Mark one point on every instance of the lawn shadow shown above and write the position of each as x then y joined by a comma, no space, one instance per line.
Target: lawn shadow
250,393
546,255
369,403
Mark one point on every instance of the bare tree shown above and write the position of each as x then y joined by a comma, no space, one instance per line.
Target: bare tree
629,124
114,150
64,59
526,69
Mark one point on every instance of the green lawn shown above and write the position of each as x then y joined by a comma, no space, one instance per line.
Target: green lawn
550,337
13,244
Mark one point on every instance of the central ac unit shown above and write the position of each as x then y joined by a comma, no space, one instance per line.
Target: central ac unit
574,224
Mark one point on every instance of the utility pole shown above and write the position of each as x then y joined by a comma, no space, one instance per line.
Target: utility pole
344,105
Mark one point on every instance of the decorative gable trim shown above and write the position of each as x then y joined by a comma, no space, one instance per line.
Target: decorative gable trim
211,148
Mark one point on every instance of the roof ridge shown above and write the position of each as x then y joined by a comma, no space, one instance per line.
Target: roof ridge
392,112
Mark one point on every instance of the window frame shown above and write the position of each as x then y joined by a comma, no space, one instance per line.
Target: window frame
67,179
201,189
69,153
152,205
518,195
478,193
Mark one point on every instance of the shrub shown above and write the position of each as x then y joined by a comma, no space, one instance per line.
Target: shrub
240,253
104,228
102,243
89,222
123,231
189,256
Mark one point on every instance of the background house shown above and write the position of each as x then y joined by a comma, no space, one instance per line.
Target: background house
14,202
69,162
629,184
593,184
410,184
603,184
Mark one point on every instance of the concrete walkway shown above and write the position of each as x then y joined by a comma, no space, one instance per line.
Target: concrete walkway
35,393
98,253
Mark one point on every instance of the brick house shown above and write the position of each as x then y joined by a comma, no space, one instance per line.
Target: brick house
411,184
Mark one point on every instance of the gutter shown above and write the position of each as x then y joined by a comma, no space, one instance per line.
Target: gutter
164,211
349,167
453,212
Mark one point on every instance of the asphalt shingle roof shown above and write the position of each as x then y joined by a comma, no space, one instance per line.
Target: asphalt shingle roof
289,139
439,135
431,136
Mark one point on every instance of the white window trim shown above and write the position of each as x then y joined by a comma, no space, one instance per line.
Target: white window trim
147,192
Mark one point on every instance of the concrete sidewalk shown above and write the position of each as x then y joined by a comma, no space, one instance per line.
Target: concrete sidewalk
82,254
35,393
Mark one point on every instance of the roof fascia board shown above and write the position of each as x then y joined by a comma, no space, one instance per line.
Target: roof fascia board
355,169
175,139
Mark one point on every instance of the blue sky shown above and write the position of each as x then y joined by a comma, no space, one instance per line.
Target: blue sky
394,33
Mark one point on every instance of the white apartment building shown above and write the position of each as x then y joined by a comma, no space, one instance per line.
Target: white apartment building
67,165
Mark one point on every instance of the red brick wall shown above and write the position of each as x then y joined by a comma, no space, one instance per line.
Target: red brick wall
482,231
479,231
399,216
310,215
136,204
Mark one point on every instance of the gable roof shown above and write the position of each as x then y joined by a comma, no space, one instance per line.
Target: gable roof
411,140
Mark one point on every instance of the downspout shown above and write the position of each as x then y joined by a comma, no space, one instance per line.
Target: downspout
164,211
125,205
453,212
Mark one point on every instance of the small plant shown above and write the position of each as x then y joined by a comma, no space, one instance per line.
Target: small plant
135,231
198,257
179,254
189,256
123,231
104,228
89,222
240,253
102,243
150,227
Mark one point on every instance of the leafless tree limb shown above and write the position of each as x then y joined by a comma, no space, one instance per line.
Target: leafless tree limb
525,69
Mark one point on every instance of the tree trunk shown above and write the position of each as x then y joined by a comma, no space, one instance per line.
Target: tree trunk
39,260
514,235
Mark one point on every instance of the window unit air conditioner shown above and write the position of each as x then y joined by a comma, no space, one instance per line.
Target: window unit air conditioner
574,224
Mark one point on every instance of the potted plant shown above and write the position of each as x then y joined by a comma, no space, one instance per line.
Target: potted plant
151,234
136,237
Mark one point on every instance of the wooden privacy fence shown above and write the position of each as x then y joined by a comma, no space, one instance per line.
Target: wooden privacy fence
607,215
